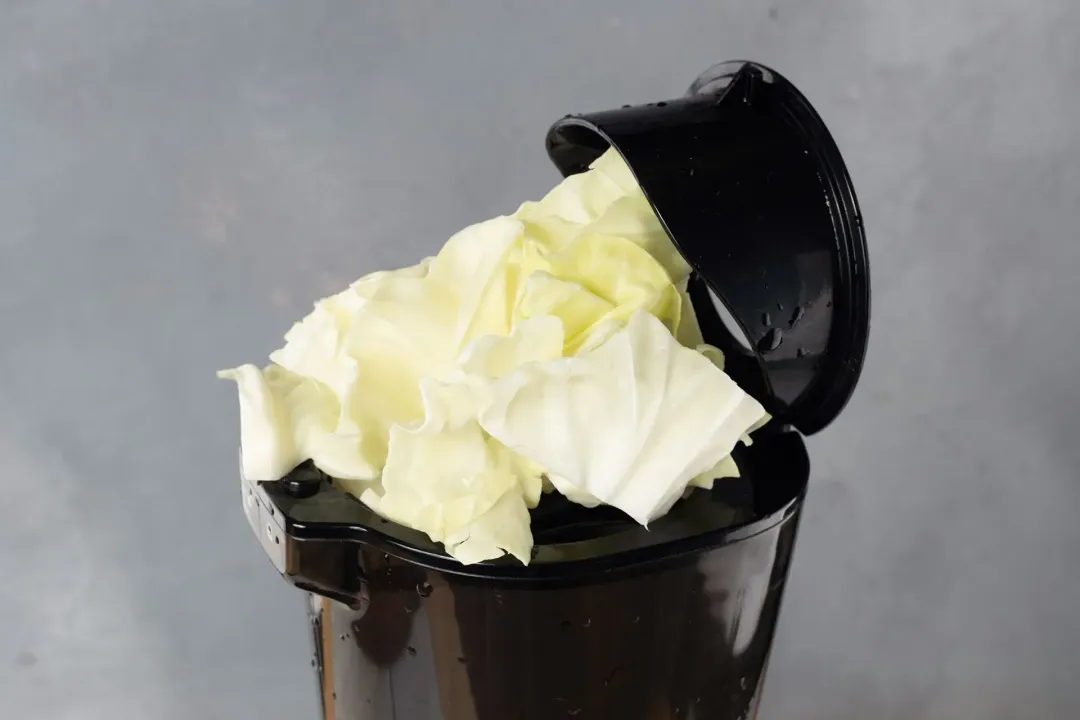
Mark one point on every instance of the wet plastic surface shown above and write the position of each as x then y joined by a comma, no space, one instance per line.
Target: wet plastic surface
688,637
753,191
689,641
313,540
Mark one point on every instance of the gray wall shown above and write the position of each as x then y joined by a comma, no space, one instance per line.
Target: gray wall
180,180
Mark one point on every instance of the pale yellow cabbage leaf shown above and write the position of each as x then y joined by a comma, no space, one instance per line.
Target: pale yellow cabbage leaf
385,384
446,476
286,418
631,423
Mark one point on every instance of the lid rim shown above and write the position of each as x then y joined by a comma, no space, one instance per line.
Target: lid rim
825,399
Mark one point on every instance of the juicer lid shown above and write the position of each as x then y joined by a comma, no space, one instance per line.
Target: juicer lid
753,192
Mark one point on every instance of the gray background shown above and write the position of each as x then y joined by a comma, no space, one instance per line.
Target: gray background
180,180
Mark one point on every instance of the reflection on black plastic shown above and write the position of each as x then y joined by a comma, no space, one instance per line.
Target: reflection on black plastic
689,640
753,191
323,531
648,624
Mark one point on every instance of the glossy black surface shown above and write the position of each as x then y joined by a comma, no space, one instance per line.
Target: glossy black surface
621,624
686,636
753,191
314,539
688,641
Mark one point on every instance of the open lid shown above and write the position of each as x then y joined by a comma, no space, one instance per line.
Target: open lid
751,188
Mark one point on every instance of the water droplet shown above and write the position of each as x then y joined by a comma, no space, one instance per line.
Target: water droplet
828,304
742,683
343,637
766,319
779,306
802,352
573,712
625,106
797,315
588,622
424,589
637,619
661,104
312,663
770,340
411,650
333,695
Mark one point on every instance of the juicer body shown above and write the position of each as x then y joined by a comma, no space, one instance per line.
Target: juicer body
610,621
688,639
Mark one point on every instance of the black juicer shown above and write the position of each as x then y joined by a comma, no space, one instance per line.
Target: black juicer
611,621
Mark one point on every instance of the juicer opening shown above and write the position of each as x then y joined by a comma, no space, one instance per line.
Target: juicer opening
571,541
557,520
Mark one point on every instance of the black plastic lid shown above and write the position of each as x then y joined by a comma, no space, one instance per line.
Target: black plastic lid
751,188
